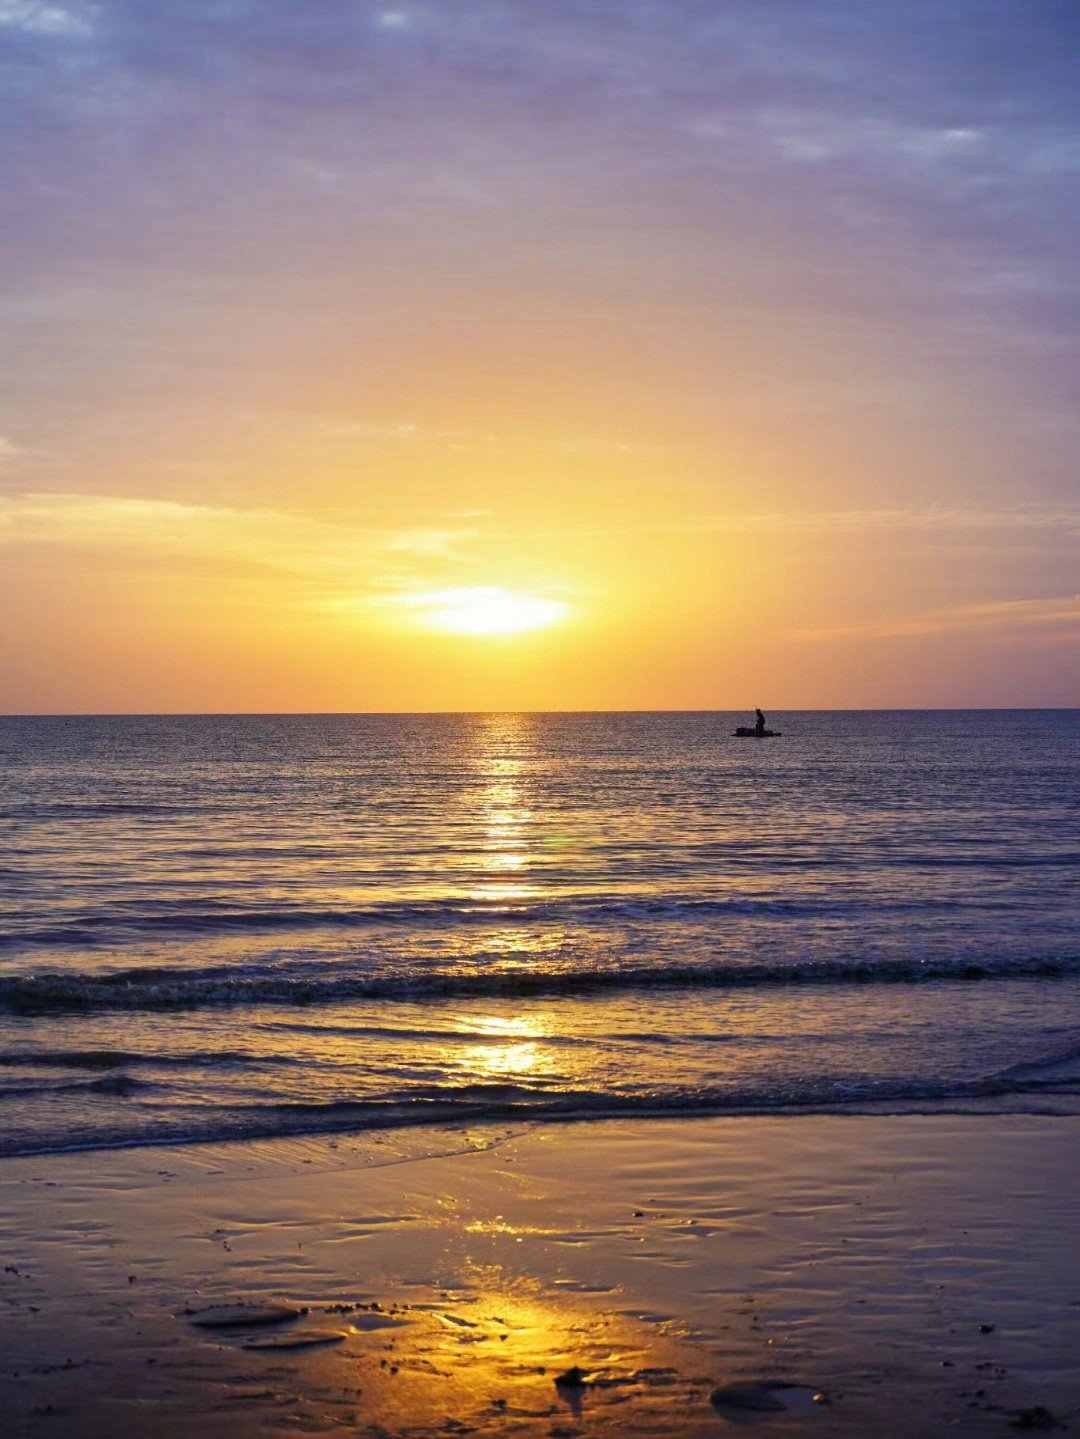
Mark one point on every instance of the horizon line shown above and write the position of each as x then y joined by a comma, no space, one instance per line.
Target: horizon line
413,714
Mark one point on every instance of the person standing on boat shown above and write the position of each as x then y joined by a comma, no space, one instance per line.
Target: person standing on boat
759,728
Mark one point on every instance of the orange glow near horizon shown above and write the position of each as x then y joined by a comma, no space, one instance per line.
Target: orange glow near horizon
117,604
379,383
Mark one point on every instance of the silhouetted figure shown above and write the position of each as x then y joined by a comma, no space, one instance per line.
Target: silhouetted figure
759,728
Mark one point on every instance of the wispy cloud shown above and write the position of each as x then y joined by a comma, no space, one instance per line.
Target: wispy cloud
932,521
36,17
1061,523
810,136
311,550
1053,616
18,460
387,433
400,432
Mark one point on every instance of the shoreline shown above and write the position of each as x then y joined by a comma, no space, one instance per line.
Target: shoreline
916,1273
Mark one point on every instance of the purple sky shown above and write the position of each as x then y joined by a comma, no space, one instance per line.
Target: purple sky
799,267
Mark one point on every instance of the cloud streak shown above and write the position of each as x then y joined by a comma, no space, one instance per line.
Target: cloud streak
1055,617
319,553
767,294
35,17
934,521
1062,524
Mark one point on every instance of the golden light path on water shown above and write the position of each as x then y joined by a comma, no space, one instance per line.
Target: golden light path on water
503,814
509,830
507,1047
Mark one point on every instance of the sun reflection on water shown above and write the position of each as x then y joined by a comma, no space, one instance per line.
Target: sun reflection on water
505,823
509,855
508,1046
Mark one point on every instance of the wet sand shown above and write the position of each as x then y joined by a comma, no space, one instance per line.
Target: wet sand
857,1275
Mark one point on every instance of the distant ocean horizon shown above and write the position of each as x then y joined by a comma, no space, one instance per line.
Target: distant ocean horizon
227,926
739,716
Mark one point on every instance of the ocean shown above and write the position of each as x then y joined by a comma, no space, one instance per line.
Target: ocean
217,927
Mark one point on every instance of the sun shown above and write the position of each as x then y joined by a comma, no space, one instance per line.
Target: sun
484,610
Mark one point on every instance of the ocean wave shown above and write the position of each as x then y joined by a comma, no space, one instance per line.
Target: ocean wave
88,809
500,1103
1059,1070
123,922
117,1084
178,920
161,987
120,1058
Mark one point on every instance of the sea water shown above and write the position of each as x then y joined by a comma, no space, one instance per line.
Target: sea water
223,926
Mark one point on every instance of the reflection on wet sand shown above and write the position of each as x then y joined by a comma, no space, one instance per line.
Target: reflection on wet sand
672,1279
501,1359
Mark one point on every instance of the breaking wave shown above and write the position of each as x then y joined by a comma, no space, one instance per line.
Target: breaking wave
158,988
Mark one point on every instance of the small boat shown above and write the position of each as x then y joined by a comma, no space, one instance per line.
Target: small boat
749,731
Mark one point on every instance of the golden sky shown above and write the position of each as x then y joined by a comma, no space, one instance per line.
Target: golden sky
506,356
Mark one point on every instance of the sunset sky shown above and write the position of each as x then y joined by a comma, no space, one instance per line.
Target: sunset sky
539,354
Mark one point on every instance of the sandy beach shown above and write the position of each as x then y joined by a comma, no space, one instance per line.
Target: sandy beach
859,1275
